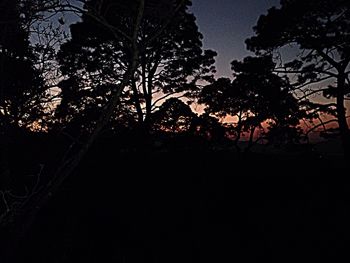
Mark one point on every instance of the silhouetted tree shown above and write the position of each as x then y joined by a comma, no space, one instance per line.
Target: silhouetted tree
127,32
209,128
255,96
173,116
222,100
22,94
321,31
94,60
22,90
21,85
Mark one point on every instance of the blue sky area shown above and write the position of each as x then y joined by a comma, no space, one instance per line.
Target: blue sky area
226,24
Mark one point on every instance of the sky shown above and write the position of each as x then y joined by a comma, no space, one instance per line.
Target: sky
226,24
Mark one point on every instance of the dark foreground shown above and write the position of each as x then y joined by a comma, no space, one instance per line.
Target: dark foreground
194,207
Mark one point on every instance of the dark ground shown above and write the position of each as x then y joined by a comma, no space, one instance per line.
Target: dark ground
188,206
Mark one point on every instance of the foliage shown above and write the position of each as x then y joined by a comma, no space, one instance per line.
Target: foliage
320,29
173,116
96,58
255,96
21,85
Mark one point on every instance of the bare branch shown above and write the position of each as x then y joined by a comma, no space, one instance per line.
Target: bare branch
311,82
311,93
329,59
286,71
163,97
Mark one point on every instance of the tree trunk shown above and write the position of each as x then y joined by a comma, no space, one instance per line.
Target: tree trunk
251,139
239,133
341,115
147,94
149,99
148,112
137,102
20,220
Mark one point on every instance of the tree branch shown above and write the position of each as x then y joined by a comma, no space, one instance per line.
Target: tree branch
330,60
331,74
319,125
311,83
312,92
165,25
166,96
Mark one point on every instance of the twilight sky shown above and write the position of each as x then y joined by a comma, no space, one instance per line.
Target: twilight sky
226,24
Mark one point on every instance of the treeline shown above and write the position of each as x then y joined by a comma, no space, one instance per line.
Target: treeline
124,66
139,67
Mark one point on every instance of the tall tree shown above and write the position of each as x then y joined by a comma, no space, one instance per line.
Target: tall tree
173,116
320,29
255,96
169,65
21,89
21,86
128,32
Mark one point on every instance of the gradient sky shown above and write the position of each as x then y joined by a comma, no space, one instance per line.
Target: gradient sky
226,24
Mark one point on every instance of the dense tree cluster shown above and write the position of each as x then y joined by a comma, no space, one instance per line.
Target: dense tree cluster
135,73
21,85
320,30
257,97
96,57
264,98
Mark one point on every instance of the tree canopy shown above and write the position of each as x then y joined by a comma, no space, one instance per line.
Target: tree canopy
21,86
320,29
256,95
126,90
96,57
